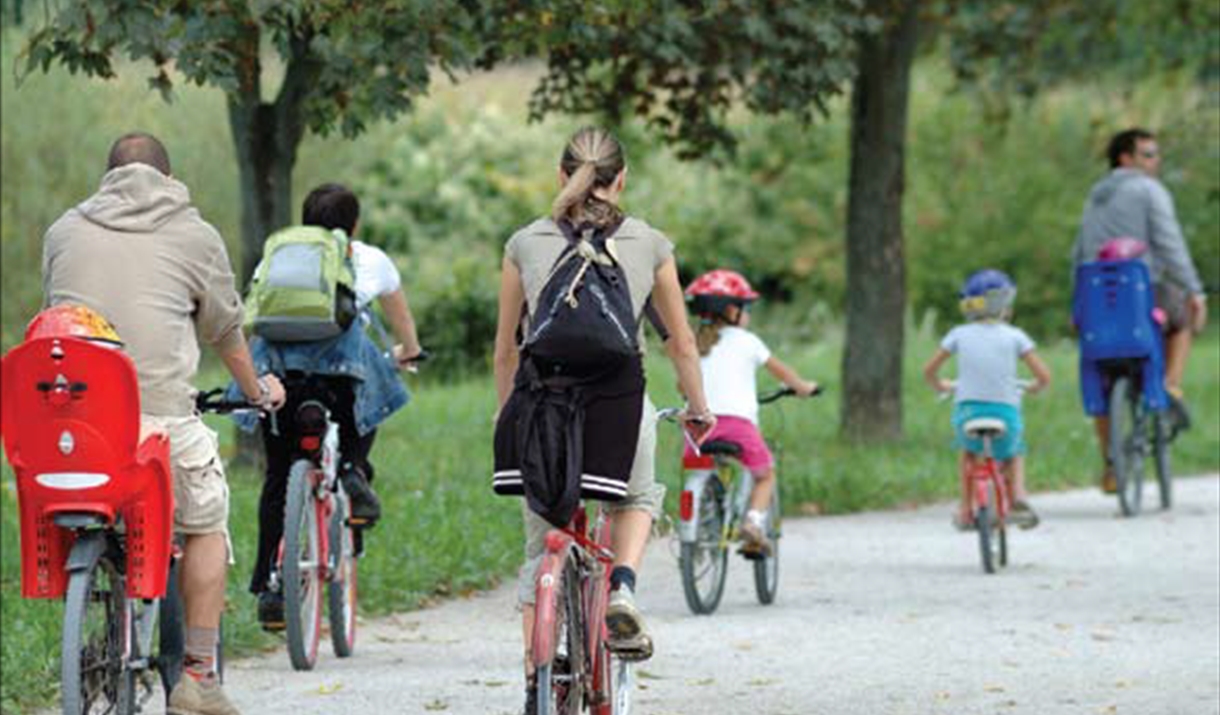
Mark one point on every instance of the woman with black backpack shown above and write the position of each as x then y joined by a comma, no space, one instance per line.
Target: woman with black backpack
574,419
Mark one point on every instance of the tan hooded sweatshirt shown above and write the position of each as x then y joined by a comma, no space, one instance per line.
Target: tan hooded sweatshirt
138,253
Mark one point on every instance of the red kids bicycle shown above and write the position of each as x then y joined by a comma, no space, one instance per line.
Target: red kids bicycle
575,672
989,497
96,508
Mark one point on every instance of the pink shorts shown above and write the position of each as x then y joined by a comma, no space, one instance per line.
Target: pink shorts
755,455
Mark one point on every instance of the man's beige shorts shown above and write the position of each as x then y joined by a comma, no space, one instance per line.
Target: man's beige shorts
201,494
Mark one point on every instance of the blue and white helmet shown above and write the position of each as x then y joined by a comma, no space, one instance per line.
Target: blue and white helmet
987,294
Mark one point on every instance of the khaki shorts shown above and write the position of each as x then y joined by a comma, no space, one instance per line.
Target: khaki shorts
201,494
643,493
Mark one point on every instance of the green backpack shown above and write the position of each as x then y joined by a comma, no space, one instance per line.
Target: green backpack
302,290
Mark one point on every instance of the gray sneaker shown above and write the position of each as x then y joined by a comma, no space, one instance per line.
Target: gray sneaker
193,697
628,639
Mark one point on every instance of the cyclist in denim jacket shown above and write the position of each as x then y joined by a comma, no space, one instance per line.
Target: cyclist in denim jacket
361,383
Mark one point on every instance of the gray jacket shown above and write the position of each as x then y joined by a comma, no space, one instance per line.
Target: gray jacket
1128,202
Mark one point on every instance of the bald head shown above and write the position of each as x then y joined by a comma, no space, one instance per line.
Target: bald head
139,147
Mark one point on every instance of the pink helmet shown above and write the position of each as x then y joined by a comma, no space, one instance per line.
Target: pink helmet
1123,248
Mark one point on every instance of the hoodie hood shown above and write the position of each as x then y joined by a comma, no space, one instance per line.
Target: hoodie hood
1109,186
135,198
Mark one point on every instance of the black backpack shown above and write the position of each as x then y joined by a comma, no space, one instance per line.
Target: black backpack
584,325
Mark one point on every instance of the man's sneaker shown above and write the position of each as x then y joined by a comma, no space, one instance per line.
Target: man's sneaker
628,637
366,507
199,697
1179,416
1023,515
271,611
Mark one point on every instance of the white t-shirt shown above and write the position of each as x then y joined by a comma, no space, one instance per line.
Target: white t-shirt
729,370
376,274
987,355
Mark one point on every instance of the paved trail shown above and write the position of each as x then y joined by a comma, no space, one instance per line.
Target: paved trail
878,614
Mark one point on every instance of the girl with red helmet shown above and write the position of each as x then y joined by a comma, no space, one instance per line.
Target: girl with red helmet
730,357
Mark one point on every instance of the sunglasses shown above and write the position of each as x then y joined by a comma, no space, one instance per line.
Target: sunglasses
1149,153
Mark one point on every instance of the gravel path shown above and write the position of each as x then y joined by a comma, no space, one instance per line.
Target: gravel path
878,613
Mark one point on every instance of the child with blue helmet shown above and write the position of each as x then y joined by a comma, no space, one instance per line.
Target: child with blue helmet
988,349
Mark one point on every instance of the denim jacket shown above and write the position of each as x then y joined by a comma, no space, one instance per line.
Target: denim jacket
379,392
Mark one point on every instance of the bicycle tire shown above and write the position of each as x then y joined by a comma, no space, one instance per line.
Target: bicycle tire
766,569
982,524
708,555
171,631
1160,453
302,587
1126,451
561,679
89,677
341,589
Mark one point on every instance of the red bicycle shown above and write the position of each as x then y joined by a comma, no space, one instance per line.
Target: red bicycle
320,547
989,499
575,672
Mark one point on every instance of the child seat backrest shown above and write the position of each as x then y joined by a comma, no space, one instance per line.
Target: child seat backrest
1112,308
66,403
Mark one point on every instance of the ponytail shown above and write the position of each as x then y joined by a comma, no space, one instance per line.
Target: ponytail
593,159
708,334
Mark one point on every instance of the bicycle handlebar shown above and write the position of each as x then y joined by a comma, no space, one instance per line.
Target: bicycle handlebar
210,401
786,392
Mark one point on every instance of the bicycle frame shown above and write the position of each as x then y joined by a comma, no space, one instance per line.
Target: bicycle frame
594,559
736,499
984,475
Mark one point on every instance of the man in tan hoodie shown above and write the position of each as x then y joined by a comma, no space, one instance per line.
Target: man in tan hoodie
139,253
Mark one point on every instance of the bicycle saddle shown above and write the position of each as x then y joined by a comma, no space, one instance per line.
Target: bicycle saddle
985,425
721,447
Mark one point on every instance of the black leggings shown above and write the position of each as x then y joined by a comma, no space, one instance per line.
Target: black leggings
339,395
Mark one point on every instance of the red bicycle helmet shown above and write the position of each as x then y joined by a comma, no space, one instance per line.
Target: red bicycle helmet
715,290
69,320
1123,248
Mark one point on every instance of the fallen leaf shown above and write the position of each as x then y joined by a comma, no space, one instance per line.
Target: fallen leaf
1063,626
994,688
646,674
436,705
329,689
702,681
761,682
942,695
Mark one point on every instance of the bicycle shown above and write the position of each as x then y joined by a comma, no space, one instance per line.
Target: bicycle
989,497
1122,360
319,548
574,670
96,508
710,511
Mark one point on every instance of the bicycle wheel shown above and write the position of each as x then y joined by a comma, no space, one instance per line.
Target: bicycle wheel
1000,527
1160,453
766,569
94,679
341,591
1127,444
983,521
302,552
704,562
171,631
561,679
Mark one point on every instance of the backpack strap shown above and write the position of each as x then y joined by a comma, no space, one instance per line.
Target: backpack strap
654,317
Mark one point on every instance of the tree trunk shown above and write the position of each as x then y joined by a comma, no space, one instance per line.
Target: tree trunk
266,136
876,281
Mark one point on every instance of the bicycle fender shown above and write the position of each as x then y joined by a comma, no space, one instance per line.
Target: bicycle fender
695,482
89,547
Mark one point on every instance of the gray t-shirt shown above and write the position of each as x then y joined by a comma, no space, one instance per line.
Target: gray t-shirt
640,249
987,354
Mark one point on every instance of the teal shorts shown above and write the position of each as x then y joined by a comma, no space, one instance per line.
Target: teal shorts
1010,445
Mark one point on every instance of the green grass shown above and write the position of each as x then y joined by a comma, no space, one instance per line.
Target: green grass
445,533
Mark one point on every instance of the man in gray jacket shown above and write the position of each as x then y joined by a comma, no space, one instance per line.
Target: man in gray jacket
139,253
1130,202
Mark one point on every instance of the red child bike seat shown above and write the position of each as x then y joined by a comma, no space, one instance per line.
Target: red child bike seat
70,419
